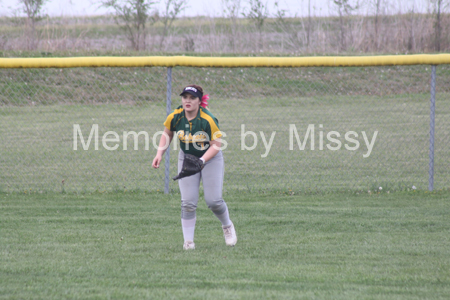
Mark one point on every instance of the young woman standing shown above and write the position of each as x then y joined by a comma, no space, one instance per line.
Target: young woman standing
199,134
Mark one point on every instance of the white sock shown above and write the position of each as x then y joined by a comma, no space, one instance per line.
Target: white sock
188,229
224,218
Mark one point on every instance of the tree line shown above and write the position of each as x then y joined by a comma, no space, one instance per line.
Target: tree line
251,24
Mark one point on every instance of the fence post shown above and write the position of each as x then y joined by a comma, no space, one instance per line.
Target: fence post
432,121
168,111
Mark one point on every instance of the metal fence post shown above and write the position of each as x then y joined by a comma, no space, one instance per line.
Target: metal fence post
432,121
168,110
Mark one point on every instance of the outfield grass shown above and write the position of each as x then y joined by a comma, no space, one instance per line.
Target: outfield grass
129,246
38,153
39,108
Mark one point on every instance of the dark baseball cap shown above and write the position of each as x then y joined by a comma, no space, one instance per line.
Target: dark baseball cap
193,91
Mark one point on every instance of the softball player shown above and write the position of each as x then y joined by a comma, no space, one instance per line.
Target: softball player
199,134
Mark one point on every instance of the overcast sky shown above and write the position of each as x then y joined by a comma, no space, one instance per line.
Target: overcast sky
196,7
209,7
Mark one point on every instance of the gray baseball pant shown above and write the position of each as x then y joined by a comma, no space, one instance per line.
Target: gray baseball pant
212,178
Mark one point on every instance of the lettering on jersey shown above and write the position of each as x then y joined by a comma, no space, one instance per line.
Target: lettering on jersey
200,139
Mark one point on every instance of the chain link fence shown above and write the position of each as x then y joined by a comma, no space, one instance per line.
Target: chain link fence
286,129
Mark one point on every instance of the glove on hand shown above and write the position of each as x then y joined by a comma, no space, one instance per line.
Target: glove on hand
191,165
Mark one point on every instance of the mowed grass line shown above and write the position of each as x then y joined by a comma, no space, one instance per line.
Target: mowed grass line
129,246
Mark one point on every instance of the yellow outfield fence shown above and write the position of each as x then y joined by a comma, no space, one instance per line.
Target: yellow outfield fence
368,124
226,62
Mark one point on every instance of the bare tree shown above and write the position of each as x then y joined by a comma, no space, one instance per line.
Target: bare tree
280,14
33,10
280,21
411,39
231,11
308,32
344,9
258,13
438,7
296,38
377,6
172,9
131,16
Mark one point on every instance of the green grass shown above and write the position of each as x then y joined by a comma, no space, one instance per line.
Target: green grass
20,87
129,246
40,107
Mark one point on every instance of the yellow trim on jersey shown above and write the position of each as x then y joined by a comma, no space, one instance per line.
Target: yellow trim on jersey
170,117
212,124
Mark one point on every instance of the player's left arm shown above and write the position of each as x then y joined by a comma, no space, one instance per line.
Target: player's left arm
214,148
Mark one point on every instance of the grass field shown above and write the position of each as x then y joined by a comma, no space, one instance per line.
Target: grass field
39,109
129,246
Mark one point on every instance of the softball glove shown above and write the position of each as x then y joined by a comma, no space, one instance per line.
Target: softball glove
191,165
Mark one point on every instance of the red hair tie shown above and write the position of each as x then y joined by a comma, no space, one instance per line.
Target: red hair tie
204,102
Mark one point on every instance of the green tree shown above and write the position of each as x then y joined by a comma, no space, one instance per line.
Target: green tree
132,16
258,13
284,26
172,9
344,9
32,8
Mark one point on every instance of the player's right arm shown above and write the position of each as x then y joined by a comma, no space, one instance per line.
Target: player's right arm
164,143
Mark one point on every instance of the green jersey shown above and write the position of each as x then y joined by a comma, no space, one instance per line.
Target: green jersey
194,135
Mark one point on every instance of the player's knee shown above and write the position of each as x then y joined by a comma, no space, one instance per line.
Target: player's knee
216,205
187,206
